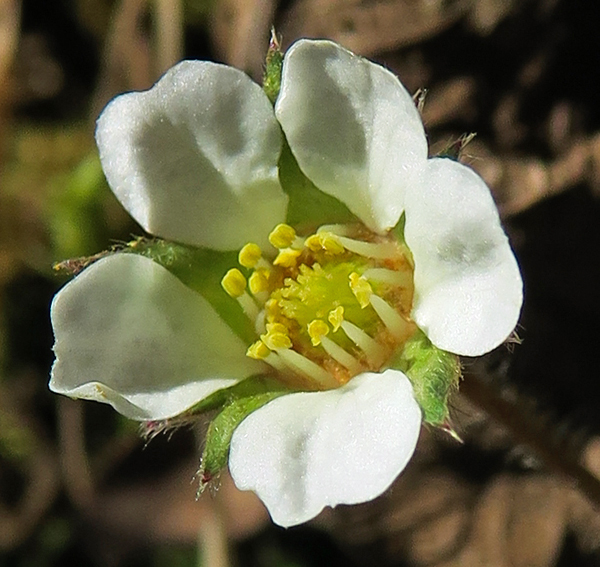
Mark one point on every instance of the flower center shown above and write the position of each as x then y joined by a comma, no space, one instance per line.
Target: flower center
328,306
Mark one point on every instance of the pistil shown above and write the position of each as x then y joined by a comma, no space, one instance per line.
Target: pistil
329,305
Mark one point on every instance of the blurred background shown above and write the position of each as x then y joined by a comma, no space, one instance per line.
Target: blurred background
78,486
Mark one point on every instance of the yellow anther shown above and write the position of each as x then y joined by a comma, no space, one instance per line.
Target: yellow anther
271,306
276,328
313,243
330,243
258,351
249,255
361,289
258,282
287,257
276,341
336,317
282,236
326,241
317,329
234,283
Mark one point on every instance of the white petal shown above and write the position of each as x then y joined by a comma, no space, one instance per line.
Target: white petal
305,451
130,334
353,128
194,159
468,285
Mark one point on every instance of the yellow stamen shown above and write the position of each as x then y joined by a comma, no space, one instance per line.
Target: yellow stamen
331,244
258,351
335,317
276,328
313,243
287,257
258,282
234,283
249,255
375,250
316,286
326,241
317,329
276,340
282,236
361,289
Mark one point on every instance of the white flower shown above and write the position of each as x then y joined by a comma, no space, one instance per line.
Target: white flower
195,160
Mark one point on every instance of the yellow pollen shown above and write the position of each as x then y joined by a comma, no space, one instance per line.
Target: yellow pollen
258,351
276,328
331,305
361,289
331,244
336,317
234,283
258,282
249,255
287,257
317,329
276,341
326,241
282,236
313,243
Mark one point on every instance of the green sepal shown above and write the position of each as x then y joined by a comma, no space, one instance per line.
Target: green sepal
308,207
252,386
201,269
273,66
454,149
235,403
434,374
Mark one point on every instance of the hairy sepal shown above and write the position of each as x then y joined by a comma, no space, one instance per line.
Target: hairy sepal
434,374
233,405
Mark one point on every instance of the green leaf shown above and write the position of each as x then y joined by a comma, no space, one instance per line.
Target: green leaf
253,386
434,374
